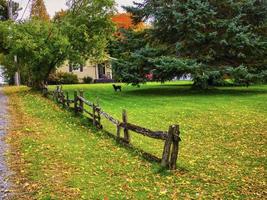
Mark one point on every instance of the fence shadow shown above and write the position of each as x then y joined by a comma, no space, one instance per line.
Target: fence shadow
133,150
187,91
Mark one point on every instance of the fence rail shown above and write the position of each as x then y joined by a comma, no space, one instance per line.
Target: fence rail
171,137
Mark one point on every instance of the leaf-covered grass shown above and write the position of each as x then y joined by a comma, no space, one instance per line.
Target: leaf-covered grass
222,154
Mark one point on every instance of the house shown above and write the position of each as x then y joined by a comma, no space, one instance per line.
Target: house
99,72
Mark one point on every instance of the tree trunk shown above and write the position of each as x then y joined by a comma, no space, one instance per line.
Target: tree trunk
38,85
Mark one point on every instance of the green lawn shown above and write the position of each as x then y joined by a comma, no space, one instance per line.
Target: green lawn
222,154
224,114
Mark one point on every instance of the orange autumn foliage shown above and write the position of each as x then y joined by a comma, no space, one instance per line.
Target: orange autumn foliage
124,20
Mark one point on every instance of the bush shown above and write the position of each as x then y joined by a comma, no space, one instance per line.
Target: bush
200,81
87,79
62,78
210,78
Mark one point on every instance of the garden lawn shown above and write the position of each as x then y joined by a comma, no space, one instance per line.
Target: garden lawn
222,153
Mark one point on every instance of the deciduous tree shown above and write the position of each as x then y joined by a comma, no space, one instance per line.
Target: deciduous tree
42,45
89,27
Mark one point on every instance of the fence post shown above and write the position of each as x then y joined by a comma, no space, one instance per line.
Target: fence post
62,96
57,93
80,101
67,99
94,117
58,88
175,147
75,101
98,117
126,131
167,148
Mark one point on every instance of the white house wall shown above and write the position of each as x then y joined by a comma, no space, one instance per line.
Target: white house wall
88,70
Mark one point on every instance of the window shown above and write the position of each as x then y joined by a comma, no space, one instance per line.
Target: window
76,68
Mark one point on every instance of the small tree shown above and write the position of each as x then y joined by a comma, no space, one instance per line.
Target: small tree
40,47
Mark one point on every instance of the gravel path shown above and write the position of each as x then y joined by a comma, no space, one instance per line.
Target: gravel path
4,172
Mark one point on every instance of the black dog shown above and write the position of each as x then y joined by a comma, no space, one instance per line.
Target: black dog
116,87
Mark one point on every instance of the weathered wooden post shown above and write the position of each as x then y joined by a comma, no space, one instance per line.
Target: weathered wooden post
76,102
80,101
54,94
98,117
94,117
175,147
167,148
67,99
62,96
57,93
126,131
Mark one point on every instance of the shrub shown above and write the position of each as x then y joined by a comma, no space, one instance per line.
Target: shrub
87,79
210,78
200,81
62,78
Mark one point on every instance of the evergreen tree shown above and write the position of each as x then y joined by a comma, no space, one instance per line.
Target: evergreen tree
215,34
38,10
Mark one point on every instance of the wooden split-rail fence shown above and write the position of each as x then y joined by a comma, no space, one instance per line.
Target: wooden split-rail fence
171,137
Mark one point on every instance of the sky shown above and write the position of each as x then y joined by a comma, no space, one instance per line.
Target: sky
56,5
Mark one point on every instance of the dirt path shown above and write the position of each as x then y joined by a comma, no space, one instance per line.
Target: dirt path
4,173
